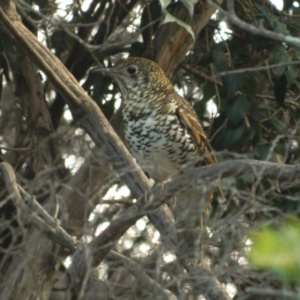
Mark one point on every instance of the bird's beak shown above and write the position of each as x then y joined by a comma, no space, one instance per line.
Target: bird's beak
106,72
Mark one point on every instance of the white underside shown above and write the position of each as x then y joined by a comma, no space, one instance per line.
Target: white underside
162,158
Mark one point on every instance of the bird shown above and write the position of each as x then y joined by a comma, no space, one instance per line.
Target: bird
162,132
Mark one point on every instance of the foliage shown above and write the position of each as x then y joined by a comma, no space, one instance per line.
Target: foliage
278,249
251,114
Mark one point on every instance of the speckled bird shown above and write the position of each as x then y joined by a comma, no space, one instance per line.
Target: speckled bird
162,129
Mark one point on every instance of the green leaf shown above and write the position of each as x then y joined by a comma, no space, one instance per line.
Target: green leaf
279,125
237,111
170,18
231,136
266,13
273,20
232,83
262,152
280,88
258,140
280,27
250,84
278,250
220,59
291,74
279,55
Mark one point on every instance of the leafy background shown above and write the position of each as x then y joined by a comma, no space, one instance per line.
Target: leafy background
251,114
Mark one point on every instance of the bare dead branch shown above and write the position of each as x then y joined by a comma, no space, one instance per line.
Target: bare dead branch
232,18
102,244
49,227
77,196
61,236
256,69
141,276
34,212
205,283
89,116
14,149
191,179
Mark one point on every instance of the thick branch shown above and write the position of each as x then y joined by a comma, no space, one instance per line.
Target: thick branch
102,244
199,177
84,110
90,117
172,42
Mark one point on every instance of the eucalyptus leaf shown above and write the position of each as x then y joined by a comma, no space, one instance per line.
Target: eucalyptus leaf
272,19
237,110
230,136
189,4
164,3
291,74
171,18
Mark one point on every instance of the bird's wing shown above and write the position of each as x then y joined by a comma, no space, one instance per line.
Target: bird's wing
187,116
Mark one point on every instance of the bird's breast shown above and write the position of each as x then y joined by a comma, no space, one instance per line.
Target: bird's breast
159,142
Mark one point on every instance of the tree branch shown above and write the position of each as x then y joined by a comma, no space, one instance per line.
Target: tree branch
102,244
36,214
172,42
199,177
138,272
232,18
89,116
256,69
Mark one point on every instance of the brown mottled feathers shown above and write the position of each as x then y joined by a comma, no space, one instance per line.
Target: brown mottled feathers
189,119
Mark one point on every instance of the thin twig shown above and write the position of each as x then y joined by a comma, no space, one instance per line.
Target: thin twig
90,117
201,75
38,216
219,129
14,149
256,69
281,294
102,244
232,18
272,115
157,290
120,201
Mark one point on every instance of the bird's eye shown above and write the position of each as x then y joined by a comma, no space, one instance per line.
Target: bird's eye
132,70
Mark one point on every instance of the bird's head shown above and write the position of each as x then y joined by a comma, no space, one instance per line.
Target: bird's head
138,75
